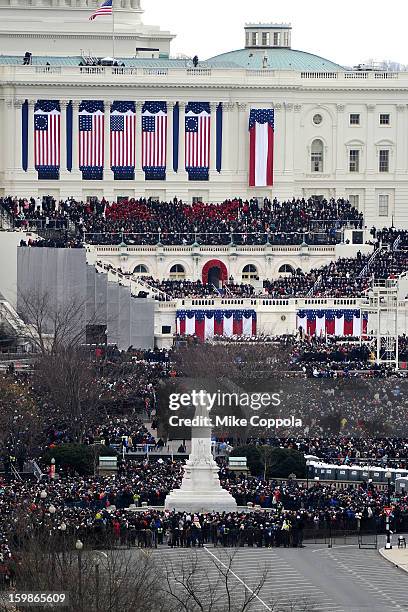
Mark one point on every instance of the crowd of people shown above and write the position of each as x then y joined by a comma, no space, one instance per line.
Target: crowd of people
102,510
149,222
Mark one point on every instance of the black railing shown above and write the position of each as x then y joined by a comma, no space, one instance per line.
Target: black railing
213,238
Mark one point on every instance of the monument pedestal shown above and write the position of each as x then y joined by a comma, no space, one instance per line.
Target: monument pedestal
200,490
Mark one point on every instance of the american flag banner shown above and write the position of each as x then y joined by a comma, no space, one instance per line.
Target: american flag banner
123,140
154,140
47,138
206,324
104,9
197,140
261,136
91,139
332,322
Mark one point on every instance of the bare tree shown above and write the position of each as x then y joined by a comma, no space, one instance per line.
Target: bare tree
20,421
64,372
205,583
52,324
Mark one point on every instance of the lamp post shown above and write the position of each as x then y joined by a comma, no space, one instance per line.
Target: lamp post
43,497
79,546
388,544
388,477
52,469
307,473
98,557
63,529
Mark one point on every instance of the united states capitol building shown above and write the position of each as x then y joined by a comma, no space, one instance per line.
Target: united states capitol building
337,132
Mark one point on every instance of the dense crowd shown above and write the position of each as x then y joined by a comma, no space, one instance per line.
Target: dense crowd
180,289
98,510
148,222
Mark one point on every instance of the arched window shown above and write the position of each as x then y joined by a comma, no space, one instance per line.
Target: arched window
286,269
316,156
141,269
177,272
250,273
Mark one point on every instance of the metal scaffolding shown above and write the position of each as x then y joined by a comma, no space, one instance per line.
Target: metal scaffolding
383,310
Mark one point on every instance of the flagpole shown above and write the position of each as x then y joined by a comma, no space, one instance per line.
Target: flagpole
113,31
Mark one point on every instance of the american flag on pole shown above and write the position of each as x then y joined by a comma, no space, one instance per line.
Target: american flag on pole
122,139
47,138
261,135
197,140
104,9
91,139
154,140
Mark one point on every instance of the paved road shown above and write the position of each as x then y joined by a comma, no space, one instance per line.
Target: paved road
315,579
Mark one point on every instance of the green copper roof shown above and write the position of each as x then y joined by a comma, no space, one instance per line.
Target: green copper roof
278,59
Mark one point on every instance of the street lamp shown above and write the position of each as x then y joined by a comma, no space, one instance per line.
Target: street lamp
43,494
52,509
388,476
79,546
63,529
388,544
307,473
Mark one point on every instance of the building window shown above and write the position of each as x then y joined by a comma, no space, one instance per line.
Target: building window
141,269
317,119
250,272
286,269
317,156
247,39
354,200
286,39
354,160
384,161
254,39
265,39
355,119
276,39
197,199
384,119
383,202
177,272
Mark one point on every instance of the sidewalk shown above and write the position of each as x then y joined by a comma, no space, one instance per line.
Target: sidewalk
396,556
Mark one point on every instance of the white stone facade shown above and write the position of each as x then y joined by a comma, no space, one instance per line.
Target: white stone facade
62,28
268,260
296,97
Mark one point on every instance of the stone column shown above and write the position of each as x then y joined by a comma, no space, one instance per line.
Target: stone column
340,149
63,136
242,137
289,138
279,141
169,143
371,153
182,143
227,136
401,143
213,139
297,156
18,135
31,104
75,136
107,172
139,174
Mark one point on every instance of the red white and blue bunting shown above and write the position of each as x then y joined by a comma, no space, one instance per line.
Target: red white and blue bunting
332,322
209,323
